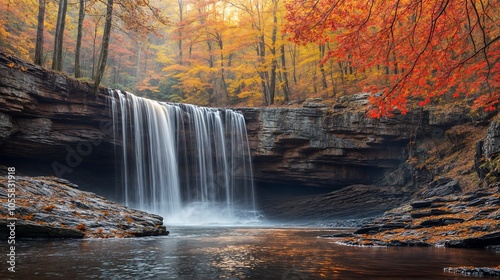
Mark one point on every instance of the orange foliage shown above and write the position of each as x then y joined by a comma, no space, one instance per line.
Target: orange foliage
409,49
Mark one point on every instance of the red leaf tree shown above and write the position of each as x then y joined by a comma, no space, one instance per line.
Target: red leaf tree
422,49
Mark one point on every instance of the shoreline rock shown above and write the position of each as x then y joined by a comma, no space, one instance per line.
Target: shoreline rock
51,207
450,221
475,271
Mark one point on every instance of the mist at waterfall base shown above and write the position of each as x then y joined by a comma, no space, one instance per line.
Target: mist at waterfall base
189,164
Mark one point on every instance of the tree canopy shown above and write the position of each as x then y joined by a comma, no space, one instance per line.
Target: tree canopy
261,52
410,49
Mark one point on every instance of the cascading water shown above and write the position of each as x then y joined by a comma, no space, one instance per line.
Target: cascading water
187,163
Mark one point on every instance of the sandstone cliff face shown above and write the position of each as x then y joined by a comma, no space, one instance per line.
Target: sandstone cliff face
54,125
44,114
322,147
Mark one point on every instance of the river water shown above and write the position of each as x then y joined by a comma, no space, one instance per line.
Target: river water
234,253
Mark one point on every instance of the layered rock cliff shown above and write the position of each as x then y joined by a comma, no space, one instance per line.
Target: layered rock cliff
326,147
43,111
53,125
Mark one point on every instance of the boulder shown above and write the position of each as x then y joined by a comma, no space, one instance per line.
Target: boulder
441,187
476,242
474,271
491,145
53,208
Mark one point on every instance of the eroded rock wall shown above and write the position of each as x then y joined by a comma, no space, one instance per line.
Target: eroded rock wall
43,114
48,117
324,147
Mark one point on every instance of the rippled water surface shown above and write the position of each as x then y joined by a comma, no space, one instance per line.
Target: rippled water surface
234,253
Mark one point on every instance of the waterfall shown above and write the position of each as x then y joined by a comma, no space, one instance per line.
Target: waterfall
187,163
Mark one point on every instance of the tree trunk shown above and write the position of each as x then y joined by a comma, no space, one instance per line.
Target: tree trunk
181,22
322,67
261,52
81,17
94,49
274,62
59,36
293,52
39,33
223,86
101,65
284,74
138,68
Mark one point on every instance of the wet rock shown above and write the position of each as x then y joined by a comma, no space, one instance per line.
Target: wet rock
355,100
475,226
421,214
64,181
495,248
477,201
392,225
432,223
491,144
442,187
475,196
493,201
368,230
449,117
420,204
408,243
450,221
338,235
314,103
495,215
347,223
483,213
7,127
25,229
474,271
476,242
54,208
440,222
438,212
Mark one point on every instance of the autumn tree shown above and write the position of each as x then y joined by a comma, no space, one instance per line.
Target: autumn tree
136,17
410,49
18,23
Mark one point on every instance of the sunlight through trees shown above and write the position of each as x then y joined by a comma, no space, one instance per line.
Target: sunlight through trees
263,52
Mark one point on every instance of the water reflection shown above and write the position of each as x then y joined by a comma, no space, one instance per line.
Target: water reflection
234,253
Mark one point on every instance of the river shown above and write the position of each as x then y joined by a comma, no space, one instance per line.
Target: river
234,253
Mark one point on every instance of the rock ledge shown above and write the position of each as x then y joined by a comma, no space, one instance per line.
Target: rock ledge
53,208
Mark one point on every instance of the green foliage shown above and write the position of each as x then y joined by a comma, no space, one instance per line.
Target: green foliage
491,167
169,90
